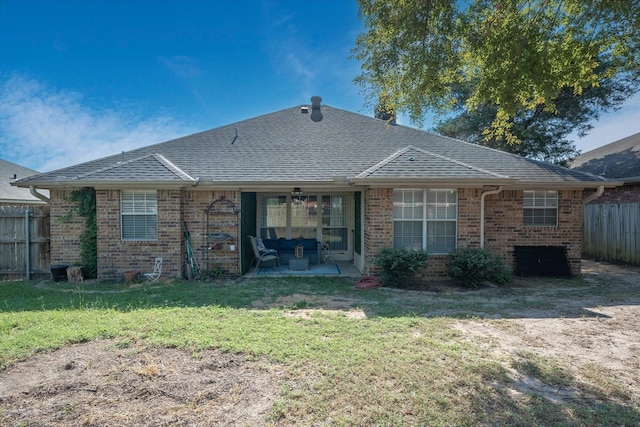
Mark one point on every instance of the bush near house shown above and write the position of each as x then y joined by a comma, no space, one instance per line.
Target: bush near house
399,265
472,266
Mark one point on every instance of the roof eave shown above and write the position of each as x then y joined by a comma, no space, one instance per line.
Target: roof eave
338,183
100,184
306,186
528,185
22,202
435,182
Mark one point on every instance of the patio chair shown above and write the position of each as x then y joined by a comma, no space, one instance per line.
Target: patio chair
157,271
263,254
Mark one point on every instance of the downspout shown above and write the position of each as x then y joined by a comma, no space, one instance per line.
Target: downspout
594,196
27,245
42,197
485,194
196,182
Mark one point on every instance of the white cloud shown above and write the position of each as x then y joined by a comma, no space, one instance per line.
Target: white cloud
182,66
46,129
612,126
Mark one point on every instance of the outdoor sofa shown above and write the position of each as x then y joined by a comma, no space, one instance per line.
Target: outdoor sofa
287,249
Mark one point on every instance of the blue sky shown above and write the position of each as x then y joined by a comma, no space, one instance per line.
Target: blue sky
85,79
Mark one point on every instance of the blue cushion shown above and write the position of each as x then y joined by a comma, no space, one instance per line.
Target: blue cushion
270,243
309,244
287,245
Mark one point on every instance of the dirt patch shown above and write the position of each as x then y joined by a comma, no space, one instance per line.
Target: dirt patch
305,306
97,384
588,334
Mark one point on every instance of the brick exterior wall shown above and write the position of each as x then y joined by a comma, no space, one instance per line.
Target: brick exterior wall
116,256
628,193
503,230
504,227
65,235
378,224
195,203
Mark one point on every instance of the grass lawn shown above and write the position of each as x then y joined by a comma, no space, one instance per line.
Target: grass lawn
398,362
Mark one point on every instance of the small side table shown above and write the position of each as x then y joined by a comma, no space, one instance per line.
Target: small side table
298,264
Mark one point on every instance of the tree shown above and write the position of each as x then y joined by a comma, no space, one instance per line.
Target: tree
516,56
542,134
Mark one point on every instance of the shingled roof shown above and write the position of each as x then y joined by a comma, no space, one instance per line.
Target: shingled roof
617,160
287,147
12,195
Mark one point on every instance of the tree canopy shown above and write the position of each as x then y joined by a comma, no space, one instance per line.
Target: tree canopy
542,135
515,57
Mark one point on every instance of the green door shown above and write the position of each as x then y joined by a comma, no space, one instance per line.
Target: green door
357,226
247,228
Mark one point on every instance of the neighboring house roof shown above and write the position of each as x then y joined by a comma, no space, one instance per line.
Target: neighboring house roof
9,172
293,147
618,160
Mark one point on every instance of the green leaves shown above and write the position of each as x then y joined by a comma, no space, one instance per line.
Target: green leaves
399,265
471,267
519,55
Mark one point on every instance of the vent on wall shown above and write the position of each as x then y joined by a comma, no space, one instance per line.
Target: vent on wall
542,261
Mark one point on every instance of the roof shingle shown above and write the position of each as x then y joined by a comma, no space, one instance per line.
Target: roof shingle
287,146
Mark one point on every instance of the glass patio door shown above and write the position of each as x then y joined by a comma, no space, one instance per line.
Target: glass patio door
325,217
304,216
335,222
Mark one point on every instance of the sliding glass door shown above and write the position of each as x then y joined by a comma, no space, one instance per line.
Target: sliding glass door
335,222
304,216
325,217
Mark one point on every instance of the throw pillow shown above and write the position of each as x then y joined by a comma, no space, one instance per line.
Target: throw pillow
261,246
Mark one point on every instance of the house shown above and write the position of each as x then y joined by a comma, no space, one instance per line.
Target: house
611,221
619,160
15,196
24,225
353,182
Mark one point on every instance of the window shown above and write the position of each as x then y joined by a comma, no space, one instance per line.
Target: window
273,218
540,208
139,211
425,219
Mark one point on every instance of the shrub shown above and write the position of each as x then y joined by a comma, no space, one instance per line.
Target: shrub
399,264
471,267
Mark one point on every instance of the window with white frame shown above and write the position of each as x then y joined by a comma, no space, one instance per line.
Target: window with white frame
319,216
425,219
139,213
540,208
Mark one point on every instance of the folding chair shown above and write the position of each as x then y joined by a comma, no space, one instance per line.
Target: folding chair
157,270
326,256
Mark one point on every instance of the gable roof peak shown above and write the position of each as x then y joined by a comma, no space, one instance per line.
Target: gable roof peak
408,149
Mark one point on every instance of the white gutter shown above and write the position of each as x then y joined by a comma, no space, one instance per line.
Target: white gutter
486,193
42,197
594,196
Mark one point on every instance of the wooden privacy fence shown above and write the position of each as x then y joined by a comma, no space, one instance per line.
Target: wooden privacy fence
611,233
24,242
